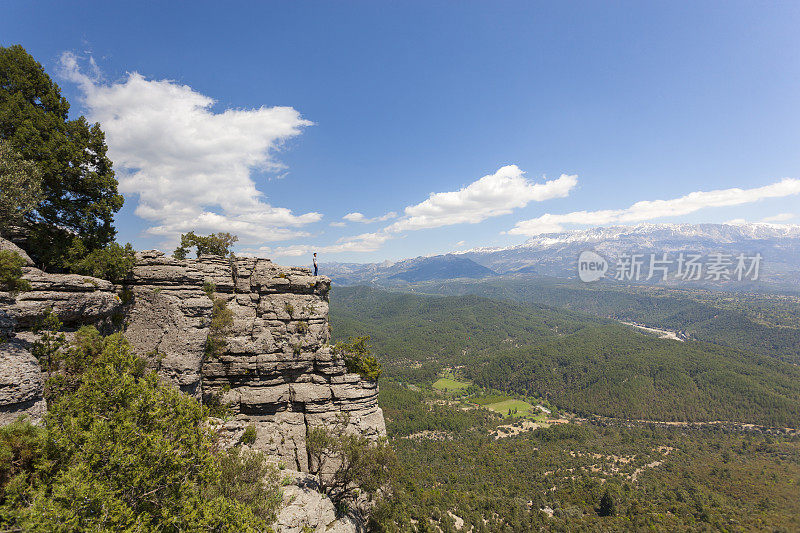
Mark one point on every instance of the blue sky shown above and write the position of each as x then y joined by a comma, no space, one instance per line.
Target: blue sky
324,109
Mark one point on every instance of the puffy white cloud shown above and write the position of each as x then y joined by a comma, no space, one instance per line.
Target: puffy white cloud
780,217
490,196
366,242
493,195
653,209
190,166
360,218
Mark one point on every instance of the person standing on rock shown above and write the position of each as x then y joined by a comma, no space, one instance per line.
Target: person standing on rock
315,263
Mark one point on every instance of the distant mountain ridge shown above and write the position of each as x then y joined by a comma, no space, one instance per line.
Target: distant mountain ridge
555,254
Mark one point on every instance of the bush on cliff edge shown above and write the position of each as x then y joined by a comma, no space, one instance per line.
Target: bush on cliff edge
120,451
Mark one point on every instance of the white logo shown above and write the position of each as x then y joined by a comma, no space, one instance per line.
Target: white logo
591,266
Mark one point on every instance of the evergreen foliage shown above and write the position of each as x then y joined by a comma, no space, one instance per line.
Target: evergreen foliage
214,244
359,466
358,357
118,451
112,262
79,190
11,273
20,185
221,322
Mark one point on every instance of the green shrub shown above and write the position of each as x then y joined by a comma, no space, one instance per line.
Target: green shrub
209,288
124,452
361,466
214,244
358,357
114,262
221,322
11,264
20,184
50,342
248,478
302,327
249,436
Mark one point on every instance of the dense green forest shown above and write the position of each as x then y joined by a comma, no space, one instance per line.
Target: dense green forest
763,323
579,363
409,330
613,371
656,479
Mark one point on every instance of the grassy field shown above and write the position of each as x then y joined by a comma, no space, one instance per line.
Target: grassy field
523,409
450,384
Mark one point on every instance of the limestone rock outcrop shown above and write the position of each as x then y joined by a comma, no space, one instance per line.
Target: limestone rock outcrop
77,300
277,371
20,383
306,509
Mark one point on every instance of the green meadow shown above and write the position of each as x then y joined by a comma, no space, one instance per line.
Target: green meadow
450,384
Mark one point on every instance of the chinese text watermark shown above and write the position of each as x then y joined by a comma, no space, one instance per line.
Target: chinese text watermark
683,266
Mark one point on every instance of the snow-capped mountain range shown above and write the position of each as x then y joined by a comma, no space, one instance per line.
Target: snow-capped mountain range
555,254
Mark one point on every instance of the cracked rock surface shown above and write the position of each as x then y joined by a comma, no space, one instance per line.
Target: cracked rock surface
277,371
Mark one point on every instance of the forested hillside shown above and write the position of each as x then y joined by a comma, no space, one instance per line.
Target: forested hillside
554,479
614,371
580,364
768,324
417,336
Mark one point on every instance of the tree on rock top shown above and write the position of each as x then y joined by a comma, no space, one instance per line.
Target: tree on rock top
79,190
214,244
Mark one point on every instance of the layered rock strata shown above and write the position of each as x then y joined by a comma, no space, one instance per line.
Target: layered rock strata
277,371
77,300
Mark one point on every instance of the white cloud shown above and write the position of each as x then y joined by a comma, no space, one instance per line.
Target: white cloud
360,218
780,217
493,195
653,209
736,222
490,196
338,224
190,166
366,242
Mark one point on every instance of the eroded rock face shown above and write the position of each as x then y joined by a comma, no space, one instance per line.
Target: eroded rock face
306,509
76,300
277,371
21,383
10,246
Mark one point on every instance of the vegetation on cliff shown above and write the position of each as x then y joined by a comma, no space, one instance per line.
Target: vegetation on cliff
11,272
358,357
348,464
221,322
120,451
78,189
213,244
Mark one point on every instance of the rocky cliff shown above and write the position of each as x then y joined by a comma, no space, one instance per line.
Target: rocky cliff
277,371
77,300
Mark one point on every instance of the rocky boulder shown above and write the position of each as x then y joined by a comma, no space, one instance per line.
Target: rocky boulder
21,383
